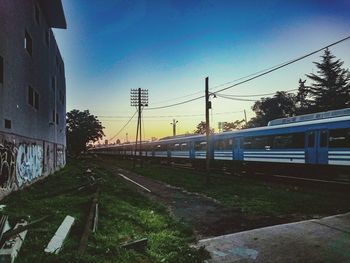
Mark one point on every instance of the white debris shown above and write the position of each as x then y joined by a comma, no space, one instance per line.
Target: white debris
62,232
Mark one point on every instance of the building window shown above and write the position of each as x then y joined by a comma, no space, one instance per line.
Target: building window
47,37
33,98
30,96
28,43
55,117
1,70
53,83
61,96
7,124
37,14
36,100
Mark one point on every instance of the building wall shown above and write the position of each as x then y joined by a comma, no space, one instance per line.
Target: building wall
35,145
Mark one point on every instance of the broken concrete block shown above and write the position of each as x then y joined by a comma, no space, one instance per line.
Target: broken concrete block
9,251
62,232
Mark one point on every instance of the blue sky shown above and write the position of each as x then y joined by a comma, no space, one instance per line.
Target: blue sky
169,47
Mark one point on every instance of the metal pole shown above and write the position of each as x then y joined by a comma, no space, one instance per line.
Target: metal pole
245,117
207,107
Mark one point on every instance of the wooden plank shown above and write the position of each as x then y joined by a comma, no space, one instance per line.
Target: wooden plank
62,232
138,245
89,224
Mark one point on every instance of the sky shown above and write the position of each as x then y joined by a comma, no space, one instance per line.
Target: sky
170,46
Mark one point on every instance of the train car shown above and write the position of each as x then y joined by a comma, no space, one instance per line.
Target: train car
315,142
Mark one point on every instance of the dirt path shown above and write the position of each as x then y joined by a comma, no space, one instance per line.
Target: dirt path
206,215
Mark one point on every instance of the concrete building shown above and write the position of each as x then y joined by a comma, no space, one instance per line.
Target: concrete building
32,92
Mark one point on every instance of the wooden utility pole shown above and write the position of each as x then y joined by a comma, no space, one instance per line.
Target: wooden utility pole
207,128
139,99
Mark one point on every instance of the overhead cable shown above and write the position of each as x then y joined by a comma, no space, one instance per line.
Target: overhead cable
126,124
254,75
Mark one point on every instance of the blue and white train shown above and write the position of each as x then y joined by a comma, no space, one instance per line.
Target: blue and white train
307,143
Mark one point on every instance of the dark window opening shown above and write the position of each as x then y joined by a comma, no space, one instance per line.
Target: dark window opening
280,141
339,138
53,83
57,119
292,140
7,124
323,139
37,14
47,37
53,116
28,43
311,139
223,144
36,100
61,96
200,146
30,96
1,69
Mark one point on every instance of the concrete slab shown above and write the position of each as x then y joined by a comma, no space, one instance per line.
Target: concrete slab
62,232
323,240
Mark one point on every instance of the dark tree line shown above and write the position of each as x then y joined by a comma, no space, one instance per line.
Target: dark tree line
329,90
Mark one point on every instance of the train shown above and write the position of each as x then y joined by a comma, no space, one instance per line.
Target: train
315,145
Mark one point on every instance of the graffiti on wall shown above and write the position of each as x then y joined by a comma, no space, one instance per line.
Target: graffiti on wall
29,163
21,163
61,160
7,166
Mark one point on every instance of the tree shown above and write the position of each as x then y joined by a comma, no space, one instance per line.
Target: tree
230,126
281,105
82,128
330,89
303,104
201,128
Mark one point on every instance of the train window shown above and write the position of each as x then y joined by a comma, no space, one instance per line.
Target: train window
261,142
223,144
184,147
200,146
247,143
292,140
339,138
323,139
311,139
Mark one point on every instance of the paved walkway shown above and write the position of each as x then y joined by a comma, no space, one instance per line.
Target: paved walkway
322,240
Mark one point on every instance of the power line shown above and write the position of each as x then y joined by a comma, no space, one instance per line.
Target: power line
175,104
254,75
230,98
123,126
254,95
170,116
284,65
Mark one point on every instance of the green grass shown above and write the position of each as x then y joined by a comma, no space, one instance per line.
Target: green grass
251,195
124,216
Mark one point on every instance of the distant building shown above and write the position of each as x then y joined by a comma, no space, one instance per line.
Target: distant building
32,92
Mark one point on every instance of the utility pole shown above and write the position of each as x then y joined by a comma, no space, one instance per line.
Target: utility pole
174,126
139,99
245,117
207,130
